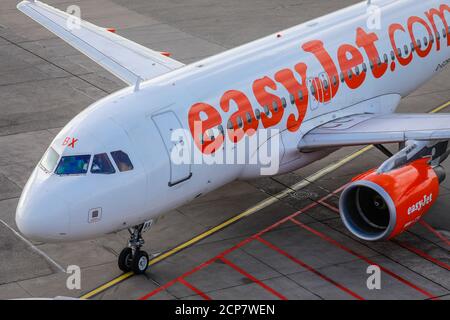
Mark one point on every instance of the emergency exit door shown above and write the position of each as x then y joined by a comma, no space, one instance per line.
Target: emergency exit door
174,140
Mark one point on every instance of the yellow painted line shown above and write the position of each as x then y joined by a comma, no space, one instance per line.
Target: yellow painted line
438,109
258,207
107,285
263,204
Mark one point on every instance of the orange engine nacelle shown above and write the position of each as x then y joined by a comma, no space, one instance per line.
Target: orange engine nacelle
379,206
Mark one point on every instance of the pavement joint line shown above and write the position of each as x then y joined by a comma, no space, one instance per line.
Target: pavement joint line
257,237
52,63
237,246
292,218
309,268
402,244
261,205
435,232
34,248
422,254
363,258
194,289
253,278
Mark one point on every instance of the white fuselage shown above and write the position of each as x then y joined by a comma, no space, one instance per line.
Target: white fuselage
312,58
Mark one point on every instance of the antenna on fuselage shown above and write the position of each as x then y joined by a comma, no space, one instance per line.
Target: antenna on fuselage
137,85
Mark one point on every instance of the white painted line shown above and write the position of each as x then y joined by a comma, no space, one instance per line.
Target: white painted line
34,248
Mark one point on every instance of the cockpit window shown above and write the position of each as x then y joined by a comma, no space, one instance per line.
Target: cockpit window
73,165
49,160
102,165
122,161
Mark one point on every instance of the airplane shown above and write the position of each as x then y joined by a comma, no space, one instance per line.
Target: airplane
332,82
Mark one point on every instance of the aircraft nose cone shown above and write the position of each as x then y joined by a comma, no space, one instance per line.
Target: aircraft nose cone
42,218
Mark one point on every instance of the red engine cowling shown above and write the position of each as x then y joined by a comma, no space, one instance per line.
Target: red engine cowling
379,206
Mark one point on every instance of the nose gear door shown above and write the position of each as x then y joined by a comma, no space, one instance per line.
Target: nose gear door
175,141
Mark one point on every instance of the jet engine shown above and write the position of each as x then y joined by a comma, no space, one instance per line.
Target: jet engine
380,205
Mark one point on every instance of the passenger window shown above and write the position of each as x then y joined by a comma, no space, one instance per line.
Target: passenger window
122,160
386,58
392,56
444,33
230,124
220,128
240,123
425,41
406,50
334,82
249,117
364,66
291,96
258,114
102,165
283,102
379,61
71,165
211,135
266,110
275,106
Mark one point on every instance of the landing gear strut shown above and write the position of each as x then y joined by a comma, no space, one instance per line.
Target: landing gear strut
132,258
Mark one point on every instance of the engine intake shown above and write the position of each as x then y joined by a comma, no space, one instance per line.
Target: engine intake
379,206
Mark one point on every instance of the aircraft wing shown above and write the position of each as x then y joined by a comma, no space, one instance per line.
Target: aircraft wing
366,129
126,59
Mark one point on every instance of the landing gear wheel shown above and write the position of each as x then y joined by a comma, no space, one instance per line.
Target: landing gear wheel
140,262
132,258
125,259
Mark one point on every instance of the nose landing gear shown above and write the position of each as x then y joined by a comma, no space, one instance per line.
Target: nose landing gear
132,258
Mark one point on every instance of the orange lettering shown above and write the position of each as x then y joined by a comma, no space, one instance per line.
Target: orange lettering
367,42
268,99
199,128
298,90
243,119
347,64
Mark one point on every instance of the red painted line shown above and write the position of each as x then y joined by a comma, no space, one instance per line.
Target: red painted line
195,289
237,246
422,222
295,214
309,268
405,245
255,280
329,206
158,290
341,246
422,254
435,232
172,282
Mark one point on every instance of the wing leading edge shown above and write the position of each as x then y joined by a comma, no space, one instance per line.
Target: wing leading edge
125,59
367,129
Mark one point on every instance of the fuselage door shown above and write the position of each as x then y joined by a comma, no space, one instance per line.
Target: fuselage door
326,85
175,139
